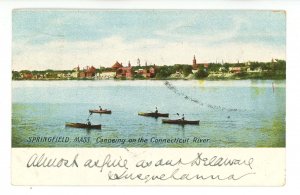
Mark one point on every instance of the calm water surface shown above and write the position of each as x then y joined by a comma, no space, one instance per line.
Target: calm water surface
41,108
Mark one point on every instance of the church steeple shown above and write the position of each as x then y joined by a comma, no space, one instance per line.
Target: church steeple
194,61
195,66
138,62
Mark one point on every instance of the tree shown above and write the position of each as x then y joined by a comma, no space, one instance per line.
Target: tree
214,67
25,71
187,70
15,75
139,77
280,65
164,72
254,65
201,73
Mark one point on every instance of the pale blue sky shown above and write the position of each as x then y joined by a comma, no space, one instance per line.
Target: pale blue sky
98,37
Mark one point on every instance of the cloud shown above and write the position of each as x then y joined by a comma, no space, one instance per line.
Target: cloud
63,39
65,54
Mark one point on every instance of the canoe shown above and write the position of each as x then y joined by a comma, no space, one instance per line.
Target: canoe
83,126
180,122
100,111
154,114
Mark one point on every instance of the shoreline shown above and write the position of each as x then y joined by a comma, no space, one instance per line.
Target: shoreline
168,79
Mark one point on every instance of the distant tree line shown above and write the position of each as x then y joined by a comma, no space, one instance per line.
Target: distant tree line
269,70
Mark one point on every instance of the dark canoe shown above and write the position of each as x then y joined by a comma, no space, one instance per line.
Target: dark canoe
100,111
153,114
180,122
83,126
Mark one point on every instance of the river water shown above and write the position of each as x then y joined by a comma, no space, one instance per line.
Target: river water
245,113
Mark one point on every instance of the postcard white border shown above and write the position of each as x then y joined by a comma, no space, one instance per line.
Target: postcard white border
293,93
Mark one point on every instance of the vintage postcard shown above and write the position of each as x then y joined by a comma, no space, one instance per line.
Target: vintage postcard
148,97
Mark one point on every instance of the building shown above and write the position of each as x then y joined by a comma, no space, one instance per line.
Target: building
75,72
123,72
107,75
152,71
90,72
257,70
142,72
177,75
82,74
26,75
61,75
222,69
235,69
117,65
147,72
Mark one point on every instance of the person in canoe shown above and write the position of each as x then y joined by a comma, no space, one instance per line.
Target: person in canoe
156,111
88,122
100,108
182,118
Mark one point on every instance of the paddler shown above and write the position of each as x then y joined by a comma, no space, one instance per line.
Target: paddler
100,108
88,122
156,111
182,117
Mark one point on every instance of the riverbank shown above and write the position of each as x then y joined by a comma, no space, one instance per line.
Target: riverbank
211,77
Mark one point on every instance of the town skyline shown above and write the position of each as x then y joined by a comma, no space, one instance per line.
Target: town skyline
61,39
146,63
241,70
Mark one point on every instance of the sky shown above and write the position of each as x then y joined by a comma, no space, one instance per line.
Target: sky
62,39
